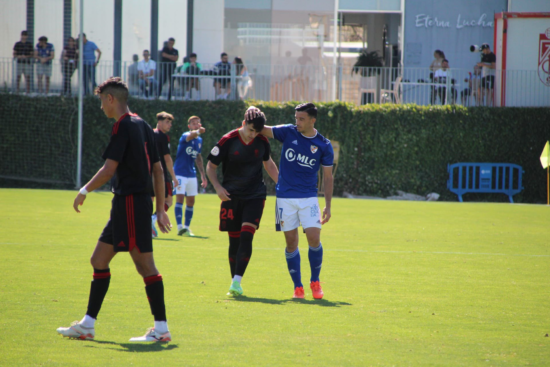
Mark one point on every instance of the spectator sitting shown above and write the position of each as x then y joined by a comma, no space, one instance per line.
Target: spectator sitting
192,67
146,69
23,53
133,75
223,68
440,76
243,83
474,83
436,64
69,57
439,56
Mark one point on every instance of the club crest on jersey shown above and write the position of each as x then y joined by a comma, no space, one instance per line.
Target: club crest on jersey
314,149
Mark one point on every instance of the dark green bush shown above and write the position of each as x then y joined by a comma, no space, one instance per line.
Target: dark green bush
384,148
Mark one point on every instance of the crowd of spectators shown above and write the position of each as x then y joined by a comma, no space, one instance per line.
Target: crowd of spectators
146,77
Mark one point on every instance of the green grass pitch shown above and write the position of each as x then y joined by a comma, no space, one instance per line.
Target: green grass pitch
406,284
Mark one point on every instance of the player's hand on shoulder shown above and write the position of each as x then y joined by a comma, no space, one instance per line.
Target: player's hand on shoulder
79,200
326,215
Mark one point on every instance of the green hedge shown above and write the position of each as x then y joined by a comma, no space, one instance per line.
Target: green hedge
384,148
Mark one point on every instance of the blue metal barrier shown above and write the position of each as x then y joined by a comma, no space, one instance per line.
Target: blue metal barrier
504,178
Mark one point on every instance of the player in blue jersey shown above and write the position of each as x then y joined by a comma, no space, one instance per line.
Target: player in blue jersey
189,150
304,152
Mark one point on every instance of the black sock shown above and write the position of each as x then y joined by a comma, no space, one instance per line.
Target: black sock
155,294
234,242
245,249
98,290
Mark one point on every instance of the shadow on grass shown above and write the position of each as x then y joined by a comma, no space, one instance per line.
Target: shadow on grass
135,347
165,239
315,302
320,302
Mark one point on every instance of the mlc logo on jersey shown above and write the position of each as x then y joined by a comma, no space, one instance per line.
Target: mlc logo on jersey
544,57
191,151
302,160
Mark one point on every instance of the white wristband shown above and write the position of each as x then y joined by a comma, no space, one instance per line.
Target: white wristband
83,191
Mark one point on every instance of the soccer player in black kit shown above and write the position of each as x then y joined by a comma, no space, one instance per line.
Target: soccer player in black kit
162,140
132,161
241,153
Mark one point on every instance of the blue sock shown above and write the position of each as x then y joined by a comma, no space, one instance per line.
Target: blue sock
293,262
179,213
188,215
315,261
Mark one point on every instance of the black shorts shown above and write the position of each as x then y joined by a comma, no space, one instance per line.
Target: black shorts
130,223
235,212
488,82
223,82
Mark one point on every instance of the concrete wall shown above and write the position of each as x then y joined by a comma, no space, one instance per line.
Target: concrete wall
451,26
208,34
99,23
12,21
528,5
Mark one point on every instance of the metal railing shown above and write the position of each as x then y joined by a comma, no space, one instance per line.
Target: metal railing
292,82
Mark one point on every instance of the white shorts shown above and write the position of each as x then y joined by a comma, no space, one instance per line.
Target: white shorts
290,213
188,186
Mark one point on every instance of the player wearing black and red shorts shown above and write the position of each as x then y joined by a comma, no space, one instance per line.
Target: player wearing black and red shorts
162,141
131,164
242,153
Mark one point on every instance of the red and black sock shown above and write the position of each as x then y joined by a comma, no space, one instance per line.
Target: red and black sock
98,290
245,249
234,242
155,294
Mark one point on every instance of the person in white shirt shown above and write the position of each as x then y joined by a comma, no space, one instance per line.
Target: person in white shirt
146,75
440,76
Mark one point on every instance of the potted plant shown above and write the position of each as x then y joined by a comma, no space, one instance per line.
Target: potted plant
368,66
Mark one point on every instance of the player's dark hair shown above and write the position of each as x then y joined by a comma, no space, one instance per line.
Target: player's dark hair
309,108
114,86
164,115
193,55
257,122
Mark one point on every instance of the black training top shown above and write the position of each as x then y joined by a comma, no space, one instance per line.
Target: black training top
242,164
132,145
163,147
489,58
23,49
171,52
